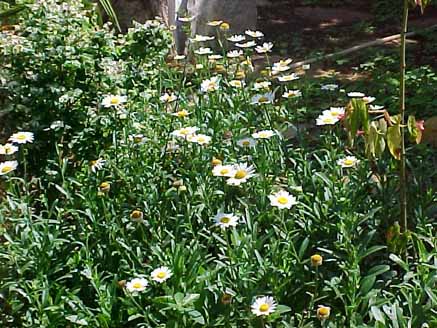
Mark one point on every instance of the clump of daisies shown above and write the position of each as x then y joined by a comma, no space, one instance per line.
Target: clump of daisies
330,116
237,174
189,133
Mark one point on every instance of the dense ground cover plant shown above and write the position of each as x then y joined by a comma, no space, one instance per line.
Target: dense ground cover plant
185,194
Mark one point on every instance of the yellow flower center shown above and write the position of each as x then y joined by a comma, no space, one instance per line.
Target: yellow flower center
138,139
216,161
7,149
323,311
240,174
114,101
246,143
327,120
264,307
201,139
224,171
161,275
184,131
282,200
211,85
348,161
21,137
137,285
182,113
225,219
6,169
263,135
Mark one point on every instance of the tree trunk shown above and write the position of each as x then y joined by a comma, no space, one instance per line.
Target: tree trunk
140,11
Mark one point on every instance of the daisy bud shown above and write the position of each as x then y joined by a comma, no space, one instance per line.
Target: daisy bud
226,299
105,186
136,215
316,260
121,283
182,188
224,26
323,312
240,75
216,161
178,183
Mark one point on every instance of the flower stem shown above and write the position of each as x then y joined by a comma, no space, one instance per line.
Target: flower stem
403,184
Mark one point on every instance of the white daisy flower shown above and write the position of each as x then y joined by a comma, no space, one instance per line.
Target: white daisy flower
261,99
369,99
8,149
326,120
203,51
234,54
263,134
210,85
283,62
282,199
254,34
185,132
136,285
264,85
376,107
292,94
214,23
237,84
242,173
200,139
215,57
225,220
113,100
329,87
7,167
138,139
237,38
356,94
97,164
266,47
246,44
337,112
161,274
288,78
281,66
168,98
181,113
201,38
185,19
223,171
179,57
348,161
263,306
22,137
247,142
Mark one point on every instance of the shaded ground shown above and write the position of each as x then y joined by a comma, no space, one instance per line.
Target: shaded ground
309,30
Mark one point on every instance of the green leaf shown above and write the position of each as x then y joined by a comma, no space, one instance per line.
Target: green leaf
282,309
394,141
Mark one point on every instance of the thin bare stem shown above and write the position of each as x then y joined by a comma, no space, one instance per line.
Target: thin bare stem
402,177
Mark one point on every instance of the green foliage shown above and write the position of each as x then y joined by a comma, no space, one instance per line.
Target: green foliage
112,194
83,62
